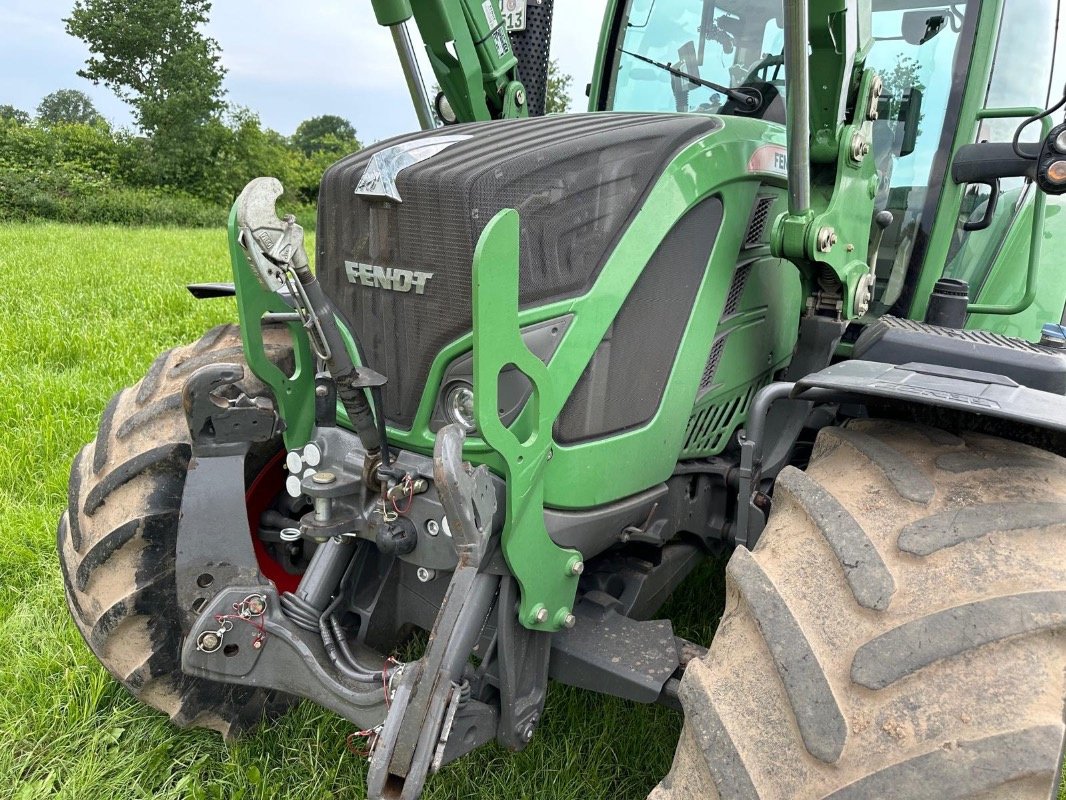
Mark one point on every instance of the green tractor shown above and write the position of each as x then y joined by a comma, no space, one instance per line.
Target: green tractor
793,291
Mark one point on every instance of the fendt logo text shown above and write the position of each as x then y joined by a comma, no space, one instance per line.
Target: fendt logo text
391,278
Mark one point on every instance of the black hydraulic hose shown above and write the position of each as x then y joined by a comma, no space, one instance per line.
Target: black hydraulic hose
299,611
346,651
334,642
340,364
331,643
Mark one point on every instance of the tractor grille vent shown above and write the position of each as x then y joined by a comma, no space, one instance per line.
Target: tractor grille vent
623,385
712,362
760,215
736,289
576,181
709,428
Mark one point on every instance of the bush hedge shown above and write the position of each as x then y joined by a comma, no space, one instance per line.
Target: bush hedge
91,174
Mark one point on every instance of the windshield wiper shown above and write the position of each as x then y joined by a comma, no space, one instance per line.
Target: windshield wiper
747,98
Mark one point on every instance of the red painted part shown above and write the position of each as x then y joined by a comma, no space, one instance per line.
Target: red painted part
268,484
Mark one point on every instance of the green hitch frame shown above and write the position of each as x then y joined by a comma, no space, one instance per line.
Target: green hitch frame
547,573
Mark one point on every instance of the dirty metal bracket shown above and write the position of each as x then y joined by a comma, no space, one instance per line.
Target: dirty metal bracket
522,660
416,733
547,573
214,545
610,653
266,650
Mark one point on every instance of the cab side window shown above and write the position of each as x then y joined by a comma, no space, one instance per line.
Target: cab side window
1021,77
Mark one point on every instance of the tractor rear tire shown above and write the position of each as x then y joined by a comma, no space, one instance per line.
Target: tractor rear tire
117,540
898,631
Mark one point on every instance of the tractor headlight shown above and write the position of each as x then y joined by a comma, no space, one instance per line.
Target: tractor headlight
459,406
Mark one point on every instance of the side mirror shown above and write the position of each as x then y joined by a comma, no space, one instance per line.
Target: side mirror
910,114
905,123
918,27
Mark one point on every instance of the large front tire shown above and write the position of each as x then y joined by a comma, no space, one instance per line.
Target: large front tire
899,630
117,539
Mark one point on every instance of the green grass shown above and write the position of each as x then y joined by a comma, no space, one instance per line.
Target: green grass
85,311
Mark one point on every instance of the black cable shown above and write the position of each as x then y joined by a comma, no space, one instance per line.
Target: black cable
1026,123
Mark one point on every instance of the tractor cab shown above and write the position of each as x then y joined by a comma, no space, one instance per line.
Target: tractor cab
928,225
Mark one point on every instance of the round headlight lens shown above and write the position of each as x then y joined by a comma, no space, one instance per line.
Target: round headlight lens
1056,172
459,405
444,109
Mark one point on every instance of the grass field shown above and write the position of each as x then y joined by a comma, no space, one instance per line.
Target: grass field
85,311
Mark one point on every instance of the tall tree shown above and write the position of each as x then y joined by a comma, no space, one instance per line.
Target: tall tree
67,107
557,89
154,55
324,133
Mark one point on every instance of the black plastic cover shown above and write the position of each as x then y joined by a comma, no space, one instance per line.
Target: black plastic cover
576,181
891,340
947,387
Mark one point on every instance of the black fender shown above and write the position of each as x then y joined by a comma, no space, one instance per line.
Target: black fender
968,390
981,394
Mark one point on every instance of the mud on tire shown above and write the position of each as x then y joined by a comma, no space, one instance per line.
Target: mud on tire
116,540
899,630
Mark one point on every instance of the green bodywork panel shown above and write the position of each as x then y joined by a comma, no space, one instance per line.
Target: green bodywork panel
756,341
540,472
715,165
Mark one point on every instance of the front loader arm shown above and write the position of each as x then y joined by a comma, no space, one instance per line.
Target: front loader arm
469,50
832,181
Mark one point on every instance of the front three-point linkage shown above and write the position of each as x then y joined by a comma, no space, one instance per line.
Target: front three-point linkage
416,738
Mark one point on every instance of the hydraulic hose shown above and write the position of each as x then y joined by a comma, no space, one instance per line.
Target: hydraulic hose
345,373
332,641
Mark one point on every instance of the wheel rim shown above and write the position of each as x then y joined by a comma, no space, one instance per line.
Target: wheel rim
267,485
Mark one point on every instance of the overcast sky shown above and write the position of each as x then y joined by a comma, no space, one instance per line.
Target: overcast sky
286,61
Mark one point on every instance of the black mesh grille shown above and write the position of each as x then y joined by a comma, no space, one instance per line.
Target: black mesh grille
623,384
736,289
760,215
576,181
712,362
531,48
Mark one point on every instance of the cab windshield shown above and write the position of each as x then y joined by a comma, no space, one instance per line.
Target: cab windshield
737,44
